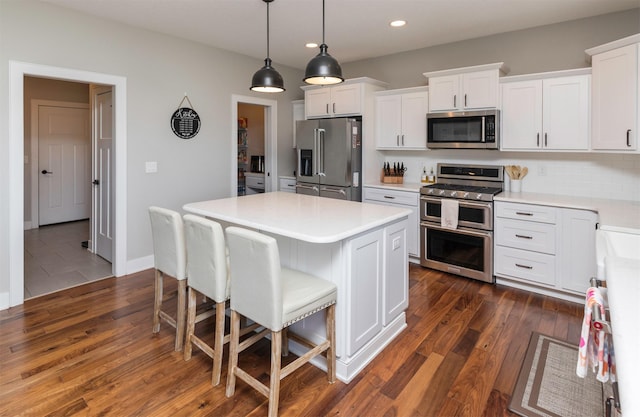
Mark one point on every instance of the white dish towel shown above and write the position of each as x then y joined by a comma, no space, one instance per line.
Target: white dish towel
449,213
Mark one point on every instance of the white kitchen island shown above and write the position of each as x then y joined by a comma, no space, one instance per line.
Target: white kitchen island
360,247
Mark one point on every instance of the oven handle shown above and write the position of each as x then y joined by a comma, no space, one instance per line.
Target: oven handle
462,203
468,232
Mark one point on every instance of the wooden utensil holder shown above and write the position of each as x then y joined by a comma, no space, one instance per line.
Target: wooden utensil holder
390,179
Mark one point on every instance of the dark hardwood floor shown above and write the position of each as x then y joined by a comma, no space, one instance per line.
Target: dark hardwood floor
89,351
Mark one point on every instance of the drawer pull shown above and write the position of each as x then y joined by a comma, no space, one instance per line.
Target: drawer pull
389,197
524,237
524,266
523,213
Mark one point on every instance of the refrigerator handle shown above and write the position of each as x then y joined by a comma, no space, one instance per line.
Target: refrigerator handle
315,151
320,152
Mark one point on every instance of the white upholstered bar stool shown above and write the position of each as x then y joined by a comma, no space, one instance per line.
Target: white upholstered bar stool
275,297
208,275
170,258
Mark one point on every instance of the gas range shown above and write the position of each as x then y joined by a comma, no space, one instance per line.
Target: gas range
466,182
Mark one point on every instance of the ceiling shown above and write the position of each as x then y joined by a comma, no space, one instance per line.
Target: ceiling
355,29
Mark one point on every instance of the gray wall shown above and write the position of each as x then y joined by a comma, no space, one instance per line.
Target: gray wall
159,69
545,48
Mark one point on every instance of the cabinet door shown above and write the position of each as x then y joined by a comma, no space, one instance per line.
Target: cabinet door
298,114
480,90
365,253
521,115
395,286
578,250
444,93
614,85
345,100
388,121
565,112
414,120
316,102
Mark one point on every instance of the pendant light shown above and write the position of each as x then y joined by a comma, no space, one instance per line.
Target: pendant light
267,79
323,69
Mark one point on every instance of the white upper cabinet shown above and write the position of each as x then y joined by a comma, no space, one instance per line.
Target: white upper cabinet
546,114
615,90
346,99
464,88
401,121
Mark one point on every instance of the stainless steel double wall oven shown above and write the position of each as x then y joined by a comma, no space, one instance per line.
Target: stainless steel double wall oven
466,250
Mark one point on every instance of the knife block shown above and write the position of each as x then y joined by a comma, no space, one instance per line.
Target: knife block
390,179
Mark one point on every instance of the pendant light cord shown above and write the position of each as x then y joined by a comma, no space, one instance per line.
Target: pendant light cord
323,21
268,29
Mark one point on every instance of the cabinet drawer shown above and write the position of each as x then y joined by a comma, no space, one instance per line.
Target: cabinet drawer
538,237
535,267
529,212
255,182
287,185
407,198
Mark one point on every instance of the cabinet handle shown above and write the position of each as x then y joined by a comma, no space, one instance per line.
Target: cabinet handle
454,101
402,140
389,197
524,266
545,139
465,100
629,137
538,139
334,107
524,237
327,108
397,140
523,213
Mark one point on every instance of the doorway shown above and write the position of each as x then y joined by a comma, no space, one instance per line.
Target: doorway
251,149
17,73
269,109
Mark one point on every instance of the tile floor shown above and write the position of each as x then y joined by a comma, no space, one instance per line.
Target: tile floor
54,259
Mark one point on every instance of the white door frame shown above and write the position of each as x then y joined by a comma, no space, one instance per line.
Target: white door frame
35,112
17,72
270,140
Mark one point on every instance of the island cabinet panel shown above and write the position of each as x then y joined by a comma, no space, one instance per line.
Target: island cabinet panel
365,253
395,285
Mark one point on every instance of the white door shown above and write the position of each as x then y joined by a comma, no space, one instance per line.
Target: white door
103,172
64,162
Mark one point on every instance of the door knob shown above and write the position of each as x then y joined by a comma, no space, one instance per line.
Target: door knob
96,182
44,171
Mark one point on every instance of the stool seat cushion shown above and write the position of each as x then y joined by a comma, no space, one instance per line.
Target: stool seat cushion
303,295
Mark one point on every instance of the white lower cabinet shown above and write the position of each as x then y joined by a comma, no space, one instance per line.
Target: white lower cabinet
550,250
399,198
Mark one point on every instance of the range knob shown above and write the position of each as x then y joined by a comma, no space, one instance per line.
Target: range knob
479,196
453,193
441,192
465,195
430,191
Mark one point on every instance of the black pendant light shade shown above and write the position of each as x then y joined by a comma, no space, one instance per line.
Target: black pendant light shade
323,69
267,79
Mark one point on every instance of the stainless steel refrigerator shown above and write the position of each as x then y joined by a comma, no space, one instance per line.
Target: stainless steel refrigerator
329,158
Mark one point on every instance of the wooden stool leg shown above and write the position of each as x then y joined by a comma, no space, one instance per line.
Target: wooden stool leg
233,353
191,322
180,319
157,302
285,342
331,336
218,344
274,385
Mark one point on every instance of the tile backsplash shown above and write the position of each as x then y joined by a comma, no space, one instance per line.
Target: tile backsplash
612,176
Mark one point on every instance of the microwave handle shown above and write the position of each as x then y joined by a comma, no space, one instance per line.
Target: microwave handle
484,133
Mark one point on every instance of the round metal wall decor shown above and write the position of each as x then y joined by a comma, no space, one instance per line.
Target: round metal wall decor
185,123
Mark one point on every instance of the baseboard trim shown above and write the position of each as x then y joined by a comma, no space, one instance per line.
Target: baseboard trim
139,264
4,300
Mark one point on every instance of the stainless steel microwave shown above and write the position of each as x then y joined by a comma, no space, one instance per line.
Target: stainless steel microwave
465,130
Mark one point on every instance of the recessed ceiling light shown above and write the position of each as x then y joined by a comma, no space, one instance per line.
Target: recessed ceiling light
397,23
311,45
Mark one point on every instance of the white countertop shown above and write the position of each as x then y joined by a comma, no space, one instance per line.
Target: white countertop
413,187
623,293
307,218
617,215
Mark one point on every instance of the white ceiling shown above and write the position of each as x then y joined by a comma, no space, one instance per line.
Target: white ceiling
355,29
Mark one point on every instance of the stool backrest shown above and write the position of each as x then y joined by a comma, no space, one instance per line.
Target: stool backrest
169,252
254,264
206,257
